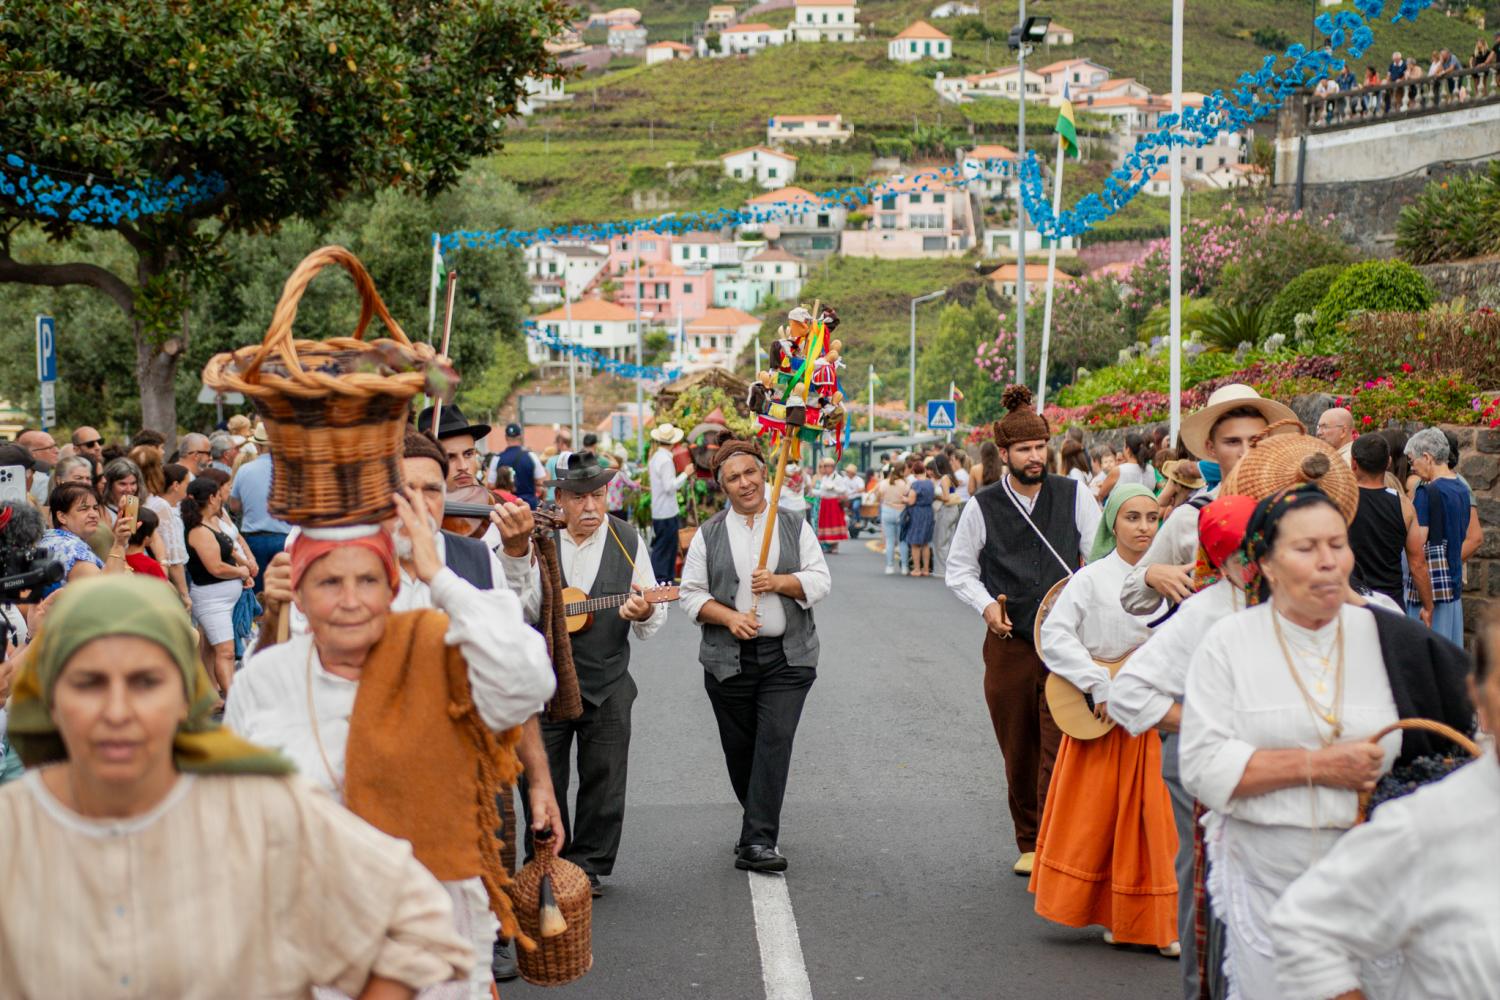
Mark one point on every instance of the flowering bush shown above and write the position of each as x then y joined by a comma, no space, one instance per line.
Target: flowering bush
1465,342
1407,394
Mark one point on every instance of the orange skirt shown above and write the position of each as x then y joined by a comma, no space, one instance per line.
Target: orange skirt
1107,843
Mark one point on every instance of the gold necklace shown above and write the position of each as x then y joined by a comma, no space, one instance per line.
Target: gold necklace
1331,714
312,716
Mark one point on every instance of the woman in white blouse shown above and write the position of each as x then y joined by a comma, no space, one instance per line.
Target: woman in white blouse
1280,705
1419,880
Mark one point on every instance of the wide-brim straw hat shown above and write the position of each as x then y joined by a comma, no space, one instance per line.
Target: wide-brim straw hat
1196,425
668,434
1278,460
1184,472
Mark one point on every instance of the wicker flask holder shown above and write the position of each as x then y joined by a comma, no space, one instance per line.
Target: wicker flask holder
556,961
335,411
1447,732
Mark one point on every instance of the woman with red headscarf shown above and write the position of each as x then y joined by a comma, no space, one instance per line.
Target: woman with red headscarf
364,703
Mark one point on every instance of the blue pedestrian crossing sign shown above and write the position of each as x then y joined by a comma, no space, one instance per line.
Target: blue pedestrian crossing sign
942,414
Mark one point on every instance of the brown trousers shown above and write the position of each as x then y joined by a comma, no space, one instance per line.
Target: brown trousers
1014,689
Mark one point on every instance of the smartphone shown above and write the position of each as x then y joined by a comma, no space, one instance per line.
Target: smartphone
130,504
12,484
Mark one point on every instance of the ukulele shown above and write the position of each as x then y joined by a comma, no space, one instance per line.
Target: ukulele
579,607
1071,708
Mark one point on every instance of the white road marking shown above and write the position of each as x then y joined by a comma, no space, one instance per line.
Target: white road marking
781,965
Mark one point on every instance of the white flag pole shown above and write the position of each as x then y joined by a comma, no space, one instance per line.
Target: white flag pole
1174,264
1041,378
432,289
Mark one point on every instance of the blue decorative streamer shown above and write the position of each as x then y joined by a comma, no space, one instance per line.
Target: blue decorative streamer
100,204
596,359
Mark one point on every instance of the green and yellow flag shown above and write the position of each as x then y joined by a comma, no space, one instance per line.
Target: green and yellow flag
1067,126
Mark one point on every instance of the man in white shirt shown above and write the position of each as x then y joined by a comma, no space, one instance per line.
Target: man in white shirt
1336,428
603,558
1019,537
760,647
665,482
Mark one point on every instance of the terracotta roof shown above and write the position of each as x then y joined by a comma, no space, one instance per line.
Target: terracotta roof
1054,26
1034,272
590,311
1123,101
762,149
825,3
748,29
998,73
665,269
718,319
806,118
991,153
622,28
1065,63
783,195
1115,84
921,29
675,46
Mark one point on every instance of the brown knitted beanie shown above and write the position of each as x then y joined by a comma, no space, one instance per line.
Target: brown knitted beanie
1022,422
733,447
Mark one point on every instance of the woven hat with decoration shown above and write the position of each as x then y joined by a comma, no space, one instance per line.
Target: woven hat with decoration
1279,459
1022,422
335,411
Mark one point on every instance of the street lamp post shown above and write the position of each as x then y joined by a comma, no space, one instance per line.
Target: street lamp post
911,363
1027,32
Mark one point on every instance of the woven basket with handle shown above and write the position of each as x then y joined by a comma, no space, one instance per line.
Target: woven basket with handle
1447,732
1278,460
562,958
335,410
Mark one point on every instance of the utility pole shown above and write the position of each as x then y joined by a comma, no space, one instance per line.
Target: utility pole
1021,213
911,368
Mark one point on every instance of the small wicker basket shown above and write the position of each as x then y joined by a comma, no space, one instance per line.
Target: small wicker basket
1447,732
563,957
335,411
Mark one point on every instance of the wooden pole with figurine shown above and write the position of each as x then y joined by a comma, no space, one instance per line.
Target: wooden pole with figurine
798,399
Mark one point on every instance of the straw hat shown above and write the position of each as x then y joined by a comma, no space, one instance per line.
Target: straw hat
667,434
1184,472
1196,425
1280,460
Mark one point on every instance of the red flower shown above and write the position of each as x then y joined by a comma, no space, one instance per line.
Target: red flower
1366,420
1406,367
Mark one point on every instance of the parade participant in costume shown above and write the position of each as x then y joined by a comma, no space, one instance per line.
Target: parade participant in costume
665,482
1105,848
1418,880
1147,692
1278,751
833,490
602,557
1021,535
1221,433
215,865
758,667
349,706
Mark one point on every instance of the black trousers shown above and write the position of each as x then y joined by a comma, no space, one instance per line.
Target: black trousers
594,825
757,711
664,548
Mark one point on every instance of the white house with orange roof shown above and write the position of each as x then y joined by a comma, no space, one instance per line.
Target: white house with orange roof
989,169
1235,175
1058,35
1124,86
798,221
821,129
917,41
720,16
1002,242
593,323
666,292
626,39
917,216
748,39
660,52
1076,74
1006,276
717,337
824,21
704,250
558,270
770,168
1004,82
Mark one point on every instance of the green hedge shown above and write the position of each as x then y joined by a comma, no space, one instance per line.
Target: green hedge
1371,286
1301,295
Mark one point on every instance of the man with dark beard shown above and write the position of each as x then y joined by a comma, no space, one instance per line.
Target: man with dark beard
1019,537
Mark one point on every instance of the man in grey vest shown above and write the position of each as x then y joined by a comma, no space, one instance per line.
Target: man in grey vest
760,646
1016,539
603,557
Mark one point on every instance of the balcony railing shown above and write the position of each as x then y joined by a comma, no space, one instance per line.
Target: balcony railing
1401,99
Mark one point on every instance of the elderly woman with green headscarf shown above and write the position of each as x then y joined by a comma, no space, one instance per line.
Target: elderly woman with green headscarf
1105,855
151,853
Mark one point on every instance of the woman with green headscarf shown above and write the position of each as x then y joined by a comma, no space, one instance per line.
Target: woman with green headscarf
1107,847
149,852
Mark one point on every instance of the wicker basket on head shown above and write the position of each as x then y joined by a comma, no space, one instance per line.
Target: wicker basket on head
1279,461
335,410
560,958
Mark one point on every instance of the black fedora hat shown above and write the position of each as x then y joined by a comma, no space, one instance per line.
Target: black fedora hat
451,423
580,472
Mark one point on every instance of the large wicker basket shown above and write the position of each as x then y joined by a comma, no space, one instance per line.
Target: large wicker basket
564,958
1278,460
335,411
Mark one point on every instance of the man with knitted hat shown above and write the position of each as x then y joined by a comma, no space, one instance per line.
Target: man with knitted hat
1018,538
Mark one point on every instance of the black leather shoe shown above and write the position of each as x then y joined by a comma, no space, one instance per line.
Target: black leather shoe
596,888
760,858
503,962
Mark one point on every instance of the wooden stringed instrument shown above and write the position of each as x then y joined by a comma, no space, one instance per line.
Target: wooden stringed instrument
1072,709
579,608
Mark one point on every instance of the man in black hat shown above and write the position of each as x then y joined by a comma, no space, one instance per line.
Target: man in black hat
527,470
603,557
460,439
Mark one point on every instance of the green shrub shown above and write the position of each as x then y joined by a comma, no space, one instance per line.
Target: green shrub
1370,286
1301,295
1267,258
1452,220
1467,343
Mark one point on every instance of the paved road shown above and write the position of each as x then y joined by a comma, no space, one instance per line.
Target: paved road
895,826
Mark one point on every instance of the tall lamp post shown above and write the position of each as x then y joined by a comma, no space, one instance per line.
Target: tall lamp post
1023,38
911,363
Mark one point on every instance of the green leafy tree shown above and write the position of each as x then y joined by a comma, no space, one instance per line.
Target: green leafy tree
1301,295
1088,329
949,356
296,105
1371,286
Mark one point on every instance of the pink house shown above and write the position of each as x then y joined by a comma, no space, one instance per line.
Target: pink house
626,251
917,217
666,292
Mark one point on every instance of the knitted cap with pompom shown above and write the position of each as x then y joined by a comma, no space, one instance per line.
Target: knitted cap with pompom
1022,422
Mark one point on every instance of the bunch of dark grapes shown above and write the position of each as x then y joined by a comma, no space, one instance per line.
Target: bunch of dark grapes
1407,778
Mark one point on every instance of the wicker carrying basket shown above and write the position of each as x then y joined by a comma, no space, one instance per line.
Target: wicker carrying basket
1278,460
564,958
1447,732
335,411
